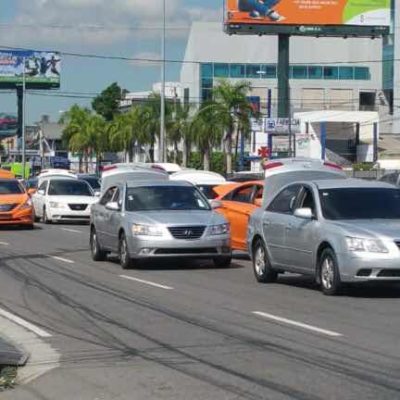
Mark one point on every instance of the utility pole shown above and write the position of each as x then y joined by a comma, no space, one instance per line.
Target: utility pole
23,120
162,147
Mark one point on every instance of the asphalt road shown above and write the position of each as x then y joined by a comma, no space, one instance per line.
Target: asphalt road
190,331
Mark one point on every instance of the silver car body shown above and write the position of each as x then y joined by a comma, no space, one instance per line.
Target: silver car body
294,244
185,233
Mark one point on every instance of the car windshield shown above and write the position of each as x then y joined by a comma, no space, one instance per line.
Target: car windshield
92,181
360,203
165,198
208,191
69,187
10,187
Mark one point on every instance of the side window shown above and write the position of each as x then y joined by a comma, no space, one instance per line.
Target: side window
243,195
284,202
107,196
307,200
43,186
117,197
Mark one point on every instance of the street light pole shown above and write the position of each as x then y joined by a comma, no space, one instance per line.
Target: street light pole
162,147
23,120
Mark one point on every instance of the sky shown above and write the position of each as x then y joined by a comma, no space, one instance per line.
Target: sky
128,28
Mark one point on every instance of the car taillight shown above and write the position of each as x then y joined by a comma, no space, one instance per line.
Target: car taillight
332,165
271,165
108,168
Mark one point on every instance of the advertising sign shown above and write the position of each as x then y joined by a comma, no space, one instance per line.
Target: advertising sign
41,69
308,16
8,124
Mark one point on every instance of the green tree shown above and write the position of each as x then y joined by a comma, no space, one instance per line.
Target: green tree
234,109
106,103
208,128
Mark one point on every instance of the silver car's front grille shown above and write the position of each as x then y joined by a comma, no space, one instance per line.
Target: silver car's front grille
187,232
7,207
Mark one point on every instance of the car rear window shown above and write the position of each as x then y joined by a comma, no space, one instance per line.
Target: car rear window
360,203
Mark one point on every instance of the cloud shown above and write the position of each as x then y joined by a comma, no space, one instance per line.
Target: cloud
53,23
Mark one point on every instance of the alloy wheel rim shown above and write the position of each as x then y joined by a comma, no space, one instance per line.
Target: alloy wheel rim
260,261
327,273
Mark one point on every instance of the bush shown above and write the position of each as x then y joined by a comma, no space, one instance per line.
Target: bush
363,166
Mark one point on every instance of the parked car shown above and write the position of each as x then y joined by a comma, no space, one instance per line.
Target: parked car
206,181
393,178
15,204
336,230
63,199
236,202
158,219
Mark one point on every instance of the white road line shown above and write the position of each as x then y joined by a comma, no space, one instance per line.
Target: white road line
71,230
4,244
63,260
33,328
298,324
157,285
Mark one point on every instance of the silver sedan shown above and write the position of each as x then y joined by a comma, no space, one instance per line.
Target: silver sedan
162,219
335,230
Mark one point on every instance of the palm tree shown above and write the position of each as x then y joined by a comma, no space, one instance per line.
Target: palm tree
208,129
233,108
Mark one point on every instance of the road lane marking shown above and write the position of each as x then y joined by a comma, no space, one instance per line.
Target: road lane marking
4,244
71,230
298,324
157,285
65,260
18,320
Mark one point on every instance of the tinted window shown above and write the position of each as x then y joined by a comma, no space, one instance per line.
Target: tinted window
31,183
243,195
92,181
208,191
360,203
108,195
306,200
284,202
10,187
68,187
165,198
43,186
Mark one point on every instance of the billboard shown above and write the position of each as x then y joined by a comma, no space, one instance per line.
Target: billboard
8,125
41,68
308,17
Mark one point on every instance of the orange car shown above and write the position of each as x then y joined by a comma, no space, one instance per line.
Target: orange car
239,200
15,204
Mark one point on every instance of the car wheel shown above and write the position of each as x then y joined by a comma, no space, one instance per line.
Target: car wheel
124,258
222,262
261,265
329,273
97,253
46,219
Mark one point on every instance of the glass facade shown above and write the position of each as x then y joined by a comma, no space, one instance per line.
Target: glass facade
211,71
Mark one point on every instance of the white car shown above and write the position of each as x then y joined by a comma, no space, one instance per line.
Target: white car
63,199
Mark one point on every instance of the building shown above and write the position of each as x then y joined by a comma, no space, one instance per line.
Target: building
325,73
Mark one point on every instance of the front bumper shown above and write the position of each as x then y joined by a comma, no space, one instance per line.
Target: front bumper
156,247
66,214
17,217
365,267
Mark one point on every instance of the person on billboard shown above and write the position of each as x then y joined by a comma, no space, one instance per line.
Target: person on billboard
260,9
53,64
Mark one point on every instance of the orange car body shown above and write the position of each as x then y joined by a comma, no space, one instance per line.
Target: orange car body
16,209
239,201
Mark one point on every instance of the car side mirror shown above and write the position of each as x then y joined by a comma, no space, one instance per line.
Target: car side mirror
113,206
31,191
41,192
304,213
215,204
97,194
258,202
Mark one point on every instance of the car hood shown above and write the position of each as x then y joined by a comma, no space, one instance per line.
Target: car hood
73,199
373,227
178,217
13,198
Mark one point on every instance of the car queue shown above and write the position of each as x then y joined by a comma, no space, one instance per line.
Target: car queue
304,217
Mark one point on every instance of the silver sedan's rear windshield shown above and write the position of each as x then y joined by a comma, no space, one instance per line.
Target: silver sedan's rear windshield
360,203
155,198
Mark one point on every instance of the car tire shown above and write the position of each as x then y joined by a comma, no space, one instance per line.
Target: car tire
98,254
329,275
45,218
124,258
222,262
261,265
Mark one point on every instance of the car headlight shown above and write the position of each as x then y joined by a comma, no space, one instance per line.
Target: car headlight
146,230
54,204
221,229
27,204
365,245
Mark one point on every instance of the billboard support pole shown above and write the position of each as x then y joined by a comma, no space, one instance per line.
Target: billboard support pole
23,121
162,147
283,76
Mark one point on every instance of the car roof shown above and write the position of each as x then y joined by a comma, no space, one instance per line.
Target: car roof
155,183
199,177
351,183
